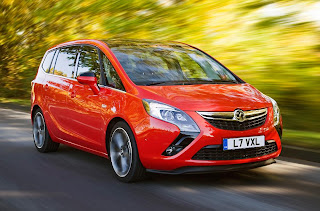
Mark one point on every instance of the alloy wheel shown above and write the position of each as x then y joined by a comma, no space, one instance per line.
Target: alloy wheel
121,152
39,130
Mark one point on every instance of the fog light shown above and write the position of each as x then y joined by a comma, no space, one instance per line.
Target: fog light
182,140
172,150
169,150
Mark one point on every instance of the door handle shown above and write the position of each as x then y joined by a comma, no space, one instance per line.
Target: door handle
46,87
73,95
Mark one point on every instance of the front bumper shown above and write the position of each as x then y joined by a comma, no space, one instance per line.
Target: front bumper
154,136
214,169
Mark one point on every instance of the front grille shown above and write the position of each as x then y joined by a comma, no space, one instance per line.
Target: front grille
230,121
235,125
212,153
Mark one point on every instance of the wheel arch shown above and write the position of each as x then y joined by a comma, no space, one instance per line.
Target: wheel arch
33,110
112,122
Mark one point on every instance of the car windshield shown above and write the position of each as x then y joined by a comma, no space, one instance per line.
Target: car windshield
156,64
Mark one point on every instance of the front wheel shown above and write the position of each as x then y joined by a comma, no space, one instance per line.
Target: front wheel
124,154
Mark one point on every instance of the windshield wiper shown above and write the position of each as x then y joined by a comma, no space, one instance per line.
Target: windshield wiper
182,82
190,82
155,83
214,81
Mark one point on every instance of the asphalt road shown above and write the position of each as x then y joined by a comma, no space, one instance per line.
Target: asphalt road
74,180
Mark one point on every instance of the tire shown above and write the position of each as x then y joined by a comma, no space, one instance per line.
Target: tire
41,137
124,154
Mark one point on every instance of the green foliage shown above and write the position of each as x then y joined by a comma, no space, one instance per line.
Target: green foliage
268,43
302,139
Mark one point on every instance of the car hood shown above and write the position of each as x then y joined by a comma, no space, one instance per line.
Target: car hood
208,97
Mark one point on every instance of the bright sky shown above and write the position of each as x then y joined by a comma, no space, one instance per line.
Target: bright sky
306,12
313,13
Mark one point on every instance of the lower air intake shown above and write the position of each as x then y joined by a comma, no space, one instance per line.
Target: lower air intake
216,152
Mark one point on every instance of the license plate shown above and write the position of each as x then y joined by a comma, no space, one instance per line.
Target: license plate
243,142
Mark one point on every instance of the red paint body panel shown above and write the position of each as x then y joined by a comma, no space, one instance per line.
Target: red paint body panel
77,116
208,97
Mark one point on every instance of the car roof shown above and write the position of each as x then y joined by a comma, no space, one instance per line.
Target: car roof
136,42
111,43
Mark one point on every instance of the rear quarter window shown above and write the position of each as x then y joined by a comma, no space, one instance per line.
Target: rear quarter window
47,61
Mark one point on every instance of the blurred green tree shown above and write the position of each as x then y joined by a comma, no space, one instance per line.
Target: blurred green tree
272,44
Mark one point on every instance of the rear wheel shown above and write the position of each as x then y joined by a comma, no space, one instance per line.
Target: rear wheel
124,154
41,137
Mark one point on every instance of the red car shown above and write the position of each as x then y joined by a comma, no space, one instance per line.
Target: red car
149,106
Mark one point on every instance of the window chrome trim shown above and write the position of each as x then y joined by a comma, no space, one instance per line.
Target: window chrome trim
60,76
231,115
109,87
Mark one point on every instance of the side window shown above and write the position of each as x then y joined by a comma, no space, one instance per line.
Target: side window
47,61
89,61
113,79
66,61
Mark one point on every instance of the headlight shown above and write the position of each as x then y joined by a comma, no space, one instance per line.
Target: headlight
170,114
276,112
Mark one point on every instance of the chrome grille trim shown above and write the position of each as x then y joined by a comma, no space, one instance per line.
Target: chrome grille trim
229,115
236,120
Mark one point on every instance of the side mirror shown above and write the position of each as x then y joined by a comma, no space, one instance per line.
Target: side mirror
88,78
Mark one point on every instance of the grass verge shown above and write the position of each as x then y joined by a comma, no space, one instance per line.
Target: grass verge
304,139
22,102
16,104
